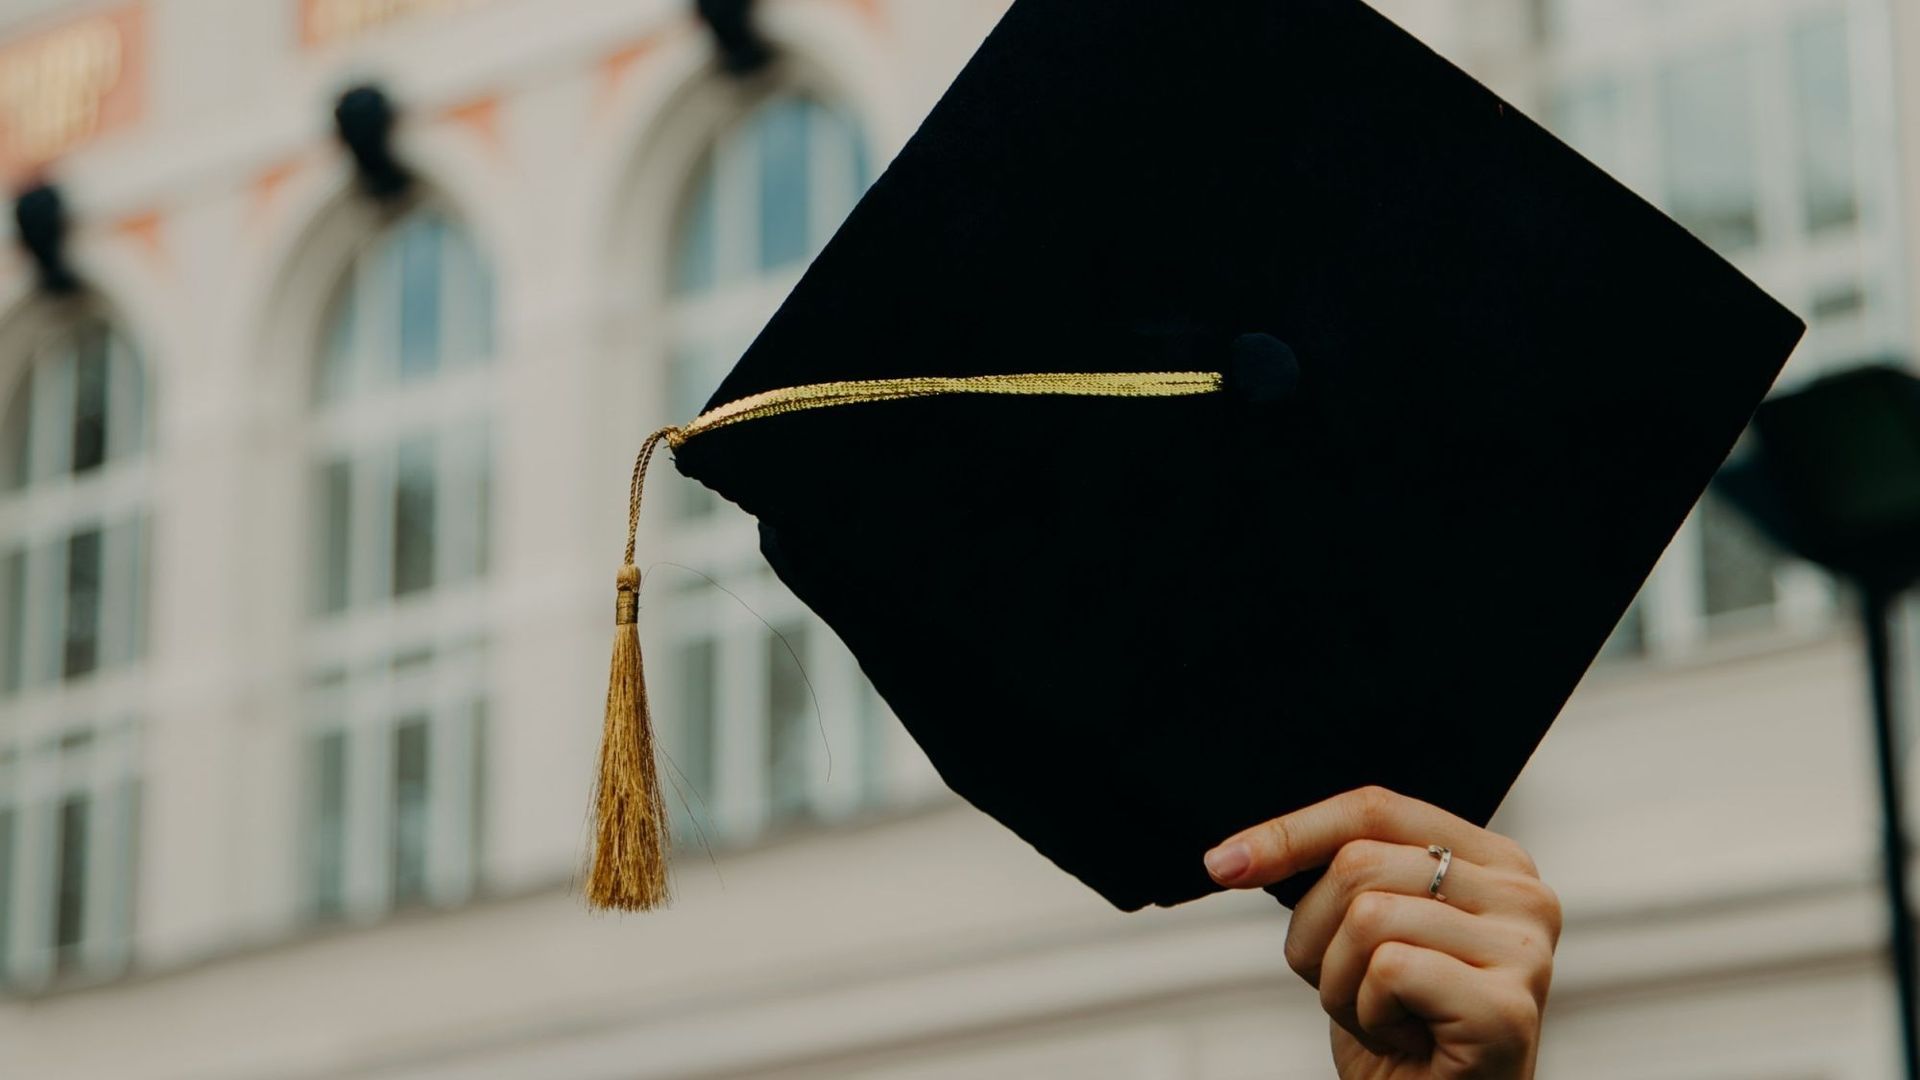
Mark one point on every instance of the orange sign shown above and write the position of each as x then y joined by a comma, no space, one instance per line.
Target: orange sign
329,22
70,83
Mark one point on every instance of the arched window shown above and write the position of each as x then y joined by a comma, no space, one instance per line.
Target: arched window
401,462
1755,127
73,600
757,690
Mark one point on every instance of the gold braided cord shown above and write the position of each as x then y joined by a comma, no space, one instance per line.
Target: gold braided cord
639,482
867,391
792,399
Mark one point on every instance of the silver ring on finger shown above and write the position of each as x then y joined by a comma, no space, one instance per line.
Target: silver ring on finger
1445,855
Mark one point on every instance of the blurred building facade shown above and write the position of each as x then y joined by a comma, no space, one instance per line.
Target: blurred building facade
309,504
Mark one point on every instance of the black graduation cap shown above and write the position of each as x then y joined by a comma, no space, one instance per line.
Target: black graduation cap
1216,407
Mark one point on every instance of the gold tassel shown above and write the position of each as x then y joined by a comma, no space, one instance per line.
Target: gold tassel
629,871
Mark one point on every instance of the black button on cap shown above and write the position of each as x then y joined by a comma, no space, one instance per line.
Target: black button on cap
1262,370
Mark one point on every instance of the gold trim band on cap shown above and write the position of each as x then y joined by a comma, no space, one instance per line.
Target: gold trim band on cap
1130,384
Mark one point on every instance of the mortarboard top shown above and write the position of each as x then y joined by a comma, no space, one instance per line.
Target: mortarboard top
1218,406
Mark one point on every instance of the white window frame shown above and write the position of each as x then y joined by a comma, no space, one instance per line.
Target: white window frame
1628,47
851,765
366,643
64,737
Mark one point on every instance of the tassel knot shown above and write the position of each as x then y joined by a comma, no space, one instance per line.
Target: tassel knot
626,604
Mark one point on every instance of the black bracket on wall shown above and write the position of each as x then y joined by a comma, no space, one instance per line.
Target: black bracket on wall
742,50
364,118
40,215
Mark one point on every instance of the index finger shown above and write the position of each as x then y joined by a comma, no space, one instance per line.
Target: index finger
1309,838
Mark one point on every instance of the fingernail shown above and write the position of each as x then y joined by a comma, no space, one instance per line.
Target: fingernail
1228,861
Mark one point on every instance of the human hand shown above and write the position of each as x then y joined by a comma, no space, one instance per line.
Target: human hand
1417,989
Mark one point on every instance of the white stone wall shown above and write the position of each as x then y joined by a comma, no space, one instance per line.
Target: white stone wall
1709,823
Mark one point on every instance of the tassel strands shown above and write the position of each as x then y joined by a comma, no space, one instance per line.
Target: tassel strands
629,868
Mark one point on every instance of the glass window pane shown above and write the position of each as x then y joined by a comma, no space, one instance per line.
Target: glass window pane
336,536
489,318
414,503
1587,116
1825,105
693,752
481,522
786,197
126,399
81,652
840,167
691,378
1737,563
862,158
13,619
420,307
329,851
470,279
117,567
89,448
141,544
1573,19
876,722
791,730
477,800
690,381
409,839
122,832
16,435
1710,147
335,380
1629,637
7,879
696,245
484,315
1837,302
70,888
463,503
